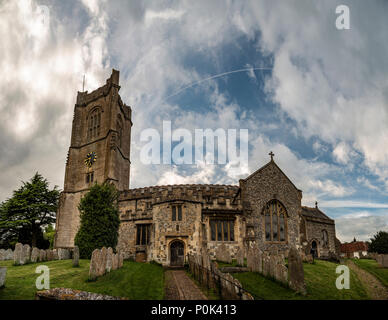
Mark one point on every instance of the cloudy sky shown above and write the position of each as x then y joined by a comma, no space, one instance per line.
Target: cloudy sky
314,95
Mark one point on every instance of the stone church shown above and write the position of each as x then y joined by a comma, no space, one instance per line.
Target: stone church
165,223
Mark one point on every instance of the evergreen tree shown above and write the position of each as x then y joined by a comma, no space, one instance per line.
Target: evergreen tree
379,243
31,207
99,219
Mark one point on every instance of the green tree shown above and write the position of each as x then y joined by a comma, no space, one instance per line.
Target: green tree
99,219
379,243
49,234
31,207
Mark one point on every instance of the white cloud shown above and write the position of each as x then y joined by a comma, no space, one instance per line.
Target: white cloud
361,226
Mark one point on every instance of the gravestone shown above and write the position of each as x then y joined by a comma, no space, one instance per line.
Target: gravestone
272,265
49,255
55,254
3,274
240,257
63,254
266,266
223,254
121,260
114,261
9,254
109,257
296,272
42,255
34,255
76,256
26,254
17,255
2,254
102,266
95,264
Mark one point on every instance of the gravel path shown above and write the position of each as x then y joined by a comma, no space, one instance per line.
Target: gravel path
180,287
375,289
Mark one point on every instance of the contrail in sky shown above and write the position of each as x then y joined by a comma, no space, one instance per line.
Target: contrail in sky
212,77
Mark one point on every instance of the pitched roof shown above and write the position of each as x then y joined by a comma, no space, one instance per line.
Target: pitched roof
354,246
314,213
267,165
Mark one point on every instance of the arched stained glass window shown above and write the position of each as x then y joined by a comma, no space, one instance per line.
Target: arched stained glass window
275,221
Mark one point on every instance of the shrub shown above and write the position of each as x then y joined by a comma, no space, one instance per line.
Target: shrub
99,220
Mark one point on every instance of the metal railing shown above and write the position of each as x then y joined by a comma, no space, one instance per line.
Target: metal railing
213,280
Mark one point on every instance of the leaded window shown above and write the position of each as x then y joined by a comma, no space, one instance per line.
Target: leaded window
177,213
94,124
222,230
275,221
143,234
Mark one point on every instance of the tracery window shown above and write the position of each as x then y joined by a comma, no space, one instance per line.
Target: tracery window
94,124
275,221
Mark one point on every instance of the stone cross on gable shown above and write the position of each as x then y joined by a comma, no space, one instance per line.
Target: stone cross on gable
271,154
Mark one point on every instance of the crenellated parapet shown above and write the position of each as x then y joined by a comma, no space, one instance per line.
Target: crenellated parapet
194,192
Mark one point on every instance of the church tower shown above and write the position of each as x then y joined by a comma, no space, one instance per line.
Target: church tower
99,151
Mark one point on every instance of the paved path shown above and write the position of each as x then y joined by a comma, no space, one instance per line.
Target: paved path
180,287
375,289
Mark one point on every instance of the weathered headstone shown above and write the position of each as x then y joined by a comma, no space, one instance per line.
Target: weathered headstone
55,254
18,253
266,265
9,254
223,254
3,274
42,255
76,256
296,272
63,254
35,255
49,255
114,261
95,262
109,258
102,266
240,257
272,265
121,260
26,254
2,254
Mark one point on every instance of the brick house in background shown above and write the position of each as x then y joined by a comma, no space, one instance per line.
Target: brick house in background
165,223
355,249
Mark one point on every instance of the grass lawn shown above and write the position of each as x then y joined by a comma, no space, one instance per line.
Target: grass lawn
320,281
135,281
373,267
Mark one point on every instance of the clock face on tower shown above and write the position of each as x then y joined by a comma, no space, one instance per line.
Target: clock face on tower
90,158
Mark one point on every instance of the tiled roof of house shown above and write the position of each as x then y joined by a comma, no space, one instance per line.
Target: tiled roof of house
354,247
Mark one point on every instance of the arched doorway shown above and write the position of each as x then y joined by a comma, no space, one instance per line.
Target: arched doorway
314,246
177,253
